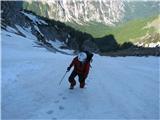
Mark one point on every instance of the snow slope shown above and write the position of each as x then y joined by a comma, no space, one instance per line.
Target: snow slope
121,87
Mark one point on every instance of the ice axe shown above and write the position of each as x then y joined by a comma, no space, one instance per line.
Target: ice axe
62,78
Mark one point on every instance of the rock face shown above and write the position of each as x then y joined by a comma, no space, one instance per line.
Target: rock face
107,12
49,31
12,16
44,29
107,43
82,12
149,40
10,11
15,6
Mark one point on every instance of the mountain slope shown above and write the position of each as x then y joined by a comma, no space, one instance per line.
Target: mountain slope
45,30
30,90
124,32
141,32
126,20
80,12
108,12
134,29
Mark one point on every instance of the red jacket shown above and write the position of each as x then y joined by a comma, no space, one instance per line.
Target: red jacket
79,67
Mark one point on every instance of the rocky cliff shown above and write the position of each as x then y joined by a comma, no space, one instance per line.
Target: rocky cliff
44,29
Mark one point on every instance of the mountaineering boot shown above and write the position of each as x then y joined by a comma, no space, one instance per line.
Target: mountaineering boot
82,85
72,83
71,87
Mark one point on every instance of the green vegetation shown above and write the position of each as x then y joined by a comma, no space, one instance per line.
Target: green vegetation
132,29
95,29
133,26
123,33
37,7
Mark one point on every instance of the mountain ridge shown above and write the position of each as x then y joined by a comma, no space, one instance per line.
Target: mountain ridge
123,17
80,12
110,12
48,31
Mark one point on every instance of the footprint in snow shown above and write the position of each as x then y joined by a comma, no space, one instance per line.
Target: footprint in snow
18,75
64,98
50,112
54,118
56,101
15,81
61,107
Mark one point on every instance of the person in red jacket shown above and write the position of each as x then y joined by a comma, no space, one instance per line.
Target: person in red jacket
81,68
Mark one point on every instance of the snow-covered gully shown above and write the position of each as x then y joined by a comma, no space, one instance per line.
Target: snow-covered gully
120,87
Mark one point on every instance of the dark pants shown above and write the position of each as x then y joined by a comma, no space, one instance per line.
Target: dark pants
72,80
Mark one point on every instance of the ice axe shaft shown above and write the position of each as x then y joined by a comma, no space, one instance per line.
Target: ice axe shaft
62,78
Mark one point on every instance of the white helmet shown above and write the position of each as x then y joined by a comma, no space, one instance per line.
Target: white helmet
82,56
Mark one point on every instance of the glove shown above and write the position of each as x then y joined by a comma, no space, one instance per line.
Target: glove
68,69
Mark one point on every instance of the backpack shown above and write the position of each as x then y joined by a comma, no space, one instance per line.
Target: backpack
89,56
